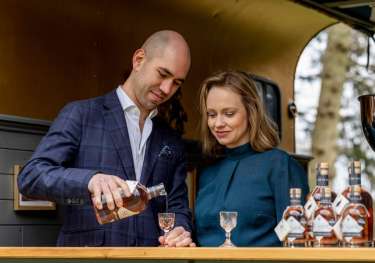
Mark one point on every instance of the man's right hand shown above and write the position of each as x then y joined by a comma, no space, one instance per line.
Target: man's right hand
109,186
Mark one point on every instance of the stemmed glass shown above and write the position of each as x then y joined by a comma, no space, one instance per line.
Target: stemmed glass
166,222
228,221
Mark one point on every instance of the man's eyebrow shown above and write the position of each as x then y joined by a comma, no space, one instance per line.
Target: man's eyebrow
167,72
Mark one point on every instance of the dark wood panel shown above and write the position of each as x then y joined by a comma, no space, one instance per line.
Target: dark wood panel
19,140
41,235
10,235
6,186
9,217
8,158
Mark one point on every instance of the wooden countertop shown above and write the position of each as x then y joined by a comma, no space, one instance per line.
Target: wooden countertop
269,254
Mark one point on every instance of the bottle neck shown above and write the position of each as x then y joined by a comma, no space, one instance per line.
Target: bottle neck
155,191
321,179
295,201
325,200
355,179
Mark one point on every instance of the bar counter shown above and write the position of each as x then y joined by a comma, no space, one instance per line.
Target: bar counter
203,255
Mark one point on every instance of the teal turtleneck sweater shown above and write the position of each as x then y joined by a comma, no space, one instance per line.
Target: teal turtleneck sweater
256,185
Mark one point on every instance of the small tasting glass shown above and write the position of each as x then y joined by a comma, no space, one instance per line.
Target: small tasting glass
166,221
228,221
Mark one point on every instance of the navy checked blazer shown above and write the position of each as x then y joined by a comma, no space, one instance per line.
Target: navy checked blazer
89,137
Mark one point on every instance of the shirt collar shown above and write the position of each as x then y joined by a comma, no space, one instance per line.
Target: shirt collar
128,104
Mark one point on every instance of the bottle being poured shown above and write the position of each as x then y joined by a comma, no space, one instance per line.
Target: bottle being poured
132,205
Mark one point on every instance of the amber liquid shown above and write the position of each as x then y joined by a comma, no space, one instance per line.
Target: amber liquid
166,224
317,195
326,239
366,200
296,240
360,214
132,205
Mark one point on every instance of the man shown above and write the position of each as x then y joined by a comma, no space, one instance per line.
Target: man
95,145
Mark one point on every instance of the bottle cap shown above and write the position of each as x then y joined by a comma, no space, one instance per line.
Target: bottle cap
323,165
356,165
295,192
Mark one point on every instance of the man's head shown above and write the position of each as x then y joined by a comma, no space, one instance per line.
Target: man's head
160,67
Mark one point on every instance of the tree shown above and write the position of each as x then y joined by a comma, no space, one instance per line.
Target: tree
336,62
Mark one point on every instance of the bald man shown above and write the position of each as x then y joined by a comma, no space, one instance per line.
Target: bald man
95,145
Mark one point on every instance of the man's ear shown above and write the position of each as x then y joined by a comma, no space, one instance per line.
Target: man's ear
138,59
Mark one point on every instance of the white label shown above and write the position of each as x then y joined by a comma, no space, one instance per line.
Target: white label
321,227
282,230
310,207
350,228
296,229
340,203
337,229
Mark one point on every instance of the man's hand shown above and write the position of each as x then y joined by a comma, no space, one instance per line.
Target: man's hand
109,186
178,237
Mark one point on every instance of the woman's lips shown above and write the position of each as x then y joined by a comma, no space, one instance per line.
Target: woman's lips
221,134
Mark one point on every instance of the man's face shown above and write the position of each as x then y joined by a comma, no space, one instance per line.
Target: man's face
159,77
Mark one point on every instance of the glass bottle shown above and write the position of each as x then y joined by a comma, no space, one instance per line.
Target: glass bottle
294,215
313,198
354,221
366,199
324,222
132,205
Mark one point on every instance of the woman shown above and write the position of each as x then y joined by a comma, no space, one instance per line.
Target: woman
250,175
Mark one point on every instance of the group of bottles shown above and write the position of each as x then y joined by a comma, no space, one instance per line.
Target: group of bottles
328,220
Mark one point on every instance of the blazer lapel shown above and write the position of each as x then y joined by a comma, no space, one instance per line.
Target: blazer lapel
154,144
115,124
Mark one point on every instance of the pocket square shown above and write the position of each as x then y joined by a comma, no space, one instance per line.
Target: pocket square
165,152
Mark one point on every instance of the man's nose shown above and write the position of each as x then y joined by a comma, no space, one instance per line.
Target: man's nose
166,86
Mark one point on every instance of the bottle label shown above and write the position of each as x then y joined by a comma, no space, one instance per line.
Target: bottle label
350,227
282,230
340,203
310,207
321,227
337,229
296,228
122,212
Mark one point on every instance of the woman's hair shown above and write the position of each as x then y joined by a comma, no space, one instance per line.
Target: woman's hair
262,130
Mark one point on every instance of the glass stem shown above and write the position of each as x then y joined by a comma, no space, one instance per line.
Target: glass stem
227,235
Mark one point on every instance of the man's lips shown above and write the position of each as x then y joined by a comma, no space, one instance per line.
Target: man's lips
157,97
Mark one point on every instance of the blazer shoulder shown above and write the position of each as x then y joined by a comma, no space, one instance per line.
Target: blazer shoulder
85,105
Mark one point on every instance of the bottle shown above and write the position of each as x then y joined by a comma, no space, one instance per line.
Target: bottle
324,222
366,199
313,198
354,221
132,205
294,215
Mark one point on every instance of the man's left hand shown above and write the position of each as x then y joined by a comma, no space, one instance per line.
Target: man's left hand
178,237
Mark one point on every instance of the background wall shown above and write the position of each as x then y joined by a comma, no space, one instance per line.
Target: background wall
52,52
22,228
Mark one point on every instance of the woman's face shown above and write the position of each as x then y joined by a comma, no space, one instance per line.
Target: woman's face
227,117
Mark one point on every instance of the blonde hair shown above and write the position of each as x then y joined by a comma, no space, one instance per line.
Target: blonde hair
262,130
